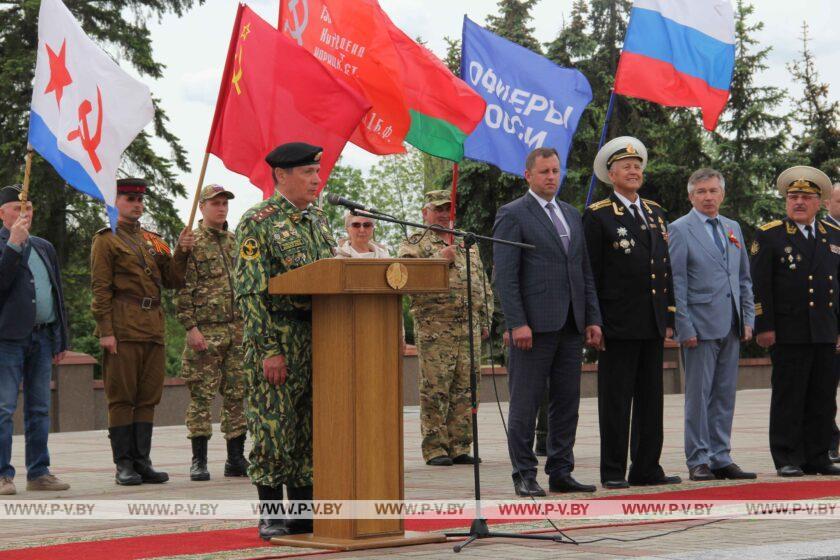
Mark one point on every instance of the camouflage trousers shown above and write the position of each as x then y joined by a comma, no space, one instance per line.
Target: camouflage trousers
219,369
445,406
280,416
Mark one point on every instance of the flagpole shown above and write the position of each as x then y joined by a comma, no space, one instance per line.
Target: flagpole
24,193
453,195
601,143
198,189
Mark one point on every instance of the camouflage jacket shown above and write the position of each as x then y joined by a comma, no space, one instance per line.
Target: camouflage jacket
453,304
275,237
208,295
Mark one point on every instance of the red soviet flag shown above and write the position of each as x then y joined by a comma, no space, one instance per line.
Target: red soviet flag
274,91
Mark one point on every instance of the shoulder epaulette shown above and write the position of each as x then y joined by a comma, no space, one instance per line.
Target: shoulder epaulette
771,225
103,230
651,202
829,224
264,213
600,204
150,232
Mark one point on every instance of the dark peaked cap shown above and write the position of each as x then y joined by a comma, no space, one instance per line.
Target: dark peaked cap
294,154
131,185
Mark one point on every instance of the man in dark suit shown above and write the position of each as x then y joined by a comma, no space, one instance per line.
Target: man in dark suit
628,246
795,265
833,217
33,336
549,302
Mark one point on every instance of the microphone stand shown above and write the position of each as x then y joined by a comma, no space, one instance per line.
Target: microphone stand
478,528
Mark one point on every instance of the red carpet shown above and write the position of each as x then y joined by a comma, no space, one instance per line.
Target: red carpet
134,548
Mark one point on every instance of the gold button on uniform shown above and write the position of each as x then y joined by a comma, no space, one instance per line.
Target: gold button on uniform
811,303
653,276
653,292
810,277
811,291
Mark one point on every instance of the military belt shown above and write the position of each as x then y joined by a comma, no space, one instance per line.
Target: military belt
143,302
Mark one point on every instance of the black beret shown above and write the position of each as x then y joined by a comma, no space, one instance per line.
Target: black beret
10,194
294,154
131,185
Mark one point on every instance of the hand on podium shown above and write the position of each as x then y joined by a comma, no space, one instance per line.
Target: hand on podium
274,369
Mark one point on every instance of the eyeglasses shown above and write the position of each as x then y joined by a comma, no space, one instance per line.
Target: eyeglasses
366,225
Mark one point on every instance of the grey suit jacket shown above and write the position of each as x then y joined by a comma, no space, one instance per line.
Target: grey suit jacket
537,286
706,282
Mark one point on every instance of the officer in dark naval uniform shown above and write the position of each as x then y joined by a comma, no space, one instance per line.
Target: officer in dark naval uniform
795,263
628,246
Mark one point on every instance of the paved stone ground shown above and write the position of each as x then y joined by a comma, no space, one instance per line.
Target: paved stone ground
83,459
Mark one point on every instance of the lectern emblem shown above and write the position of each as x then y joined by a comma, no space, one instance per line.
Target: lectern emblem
397,276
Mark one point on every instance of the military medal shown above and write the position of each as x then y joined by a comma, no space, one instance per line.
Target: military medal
622,231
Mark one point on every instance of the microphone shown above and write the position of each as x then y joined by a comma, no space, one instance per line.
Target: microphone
336,200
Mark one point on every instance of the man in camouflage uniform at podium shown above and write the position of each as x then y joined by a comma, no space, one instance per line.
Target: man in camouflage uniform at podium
213,357
277,235
440,327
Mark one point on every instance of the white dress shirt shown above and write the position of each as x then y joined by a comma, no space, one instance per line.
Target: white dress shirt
543,202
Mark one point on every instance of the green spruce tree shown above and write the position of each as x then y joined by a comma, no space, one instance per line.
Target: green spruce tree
818,143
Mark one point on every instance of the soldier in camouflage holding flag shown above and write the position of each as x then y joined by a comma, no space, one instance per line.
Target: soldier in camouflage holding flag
277,235
213,356
440,326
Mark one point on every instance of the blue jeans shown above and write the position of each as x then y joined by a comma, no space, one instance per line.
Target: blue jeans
28,360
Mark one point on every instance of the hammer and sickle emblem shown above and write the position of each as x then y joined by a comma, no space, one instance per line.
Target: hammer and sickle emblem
89,143
249,249
300,26
237,73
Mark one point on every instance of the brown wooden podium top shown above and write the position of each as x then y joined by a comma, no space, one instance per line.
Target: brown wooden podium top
364,276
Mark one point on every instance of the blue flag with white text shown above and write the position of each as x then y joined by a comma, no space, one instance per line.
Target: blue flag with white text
531,102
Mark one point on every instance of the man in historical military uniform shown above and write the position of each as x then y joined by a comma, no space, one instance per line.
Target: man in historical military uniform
833,217
277,235
795,263
628,247
213,356
128,270
440,327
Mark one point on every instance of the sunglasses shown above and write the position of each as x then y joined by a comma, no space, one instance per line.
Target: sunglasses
366,225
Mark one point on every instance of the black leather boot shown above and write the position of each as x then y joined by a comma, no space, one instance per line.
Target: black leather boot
236,464
141,451
299,526
120,437
198,469
268,527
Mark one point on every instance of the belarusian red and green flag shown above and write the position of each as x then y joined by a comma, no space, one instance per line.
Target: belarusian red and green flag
415,97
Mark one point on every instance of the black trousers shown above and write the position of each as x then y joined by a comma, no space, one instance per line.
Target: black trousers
630,378
835,432
802,403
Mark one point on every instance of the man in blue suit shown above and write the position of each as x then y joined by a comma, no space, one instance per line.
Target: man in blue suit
33,335
714,300
549,302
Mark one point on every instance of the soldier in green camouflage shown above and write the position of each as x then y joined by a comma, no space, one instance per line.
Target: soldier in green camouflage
213,357
440,328
280,234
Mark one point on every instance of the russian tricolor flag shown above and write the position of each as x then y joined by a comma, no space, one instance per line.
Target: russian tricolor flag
679,53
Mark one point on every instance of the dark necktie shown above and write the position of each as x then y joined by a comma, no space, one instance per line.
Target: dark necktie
716,234
638,216
809,235
558,225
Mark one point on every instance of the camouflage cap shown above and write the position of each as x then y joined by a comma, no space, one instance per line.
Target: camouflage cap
212,191
437,198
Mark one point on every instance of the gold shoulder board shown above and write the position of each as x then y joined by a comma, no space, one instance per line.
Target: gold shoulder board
771,225
600,204
829,224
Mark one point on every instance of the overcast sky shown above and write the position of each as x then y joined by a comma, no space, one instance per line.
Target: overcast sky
194,47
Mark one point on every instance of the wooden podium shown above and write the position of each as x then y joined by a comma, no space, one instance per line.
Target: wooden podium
357,378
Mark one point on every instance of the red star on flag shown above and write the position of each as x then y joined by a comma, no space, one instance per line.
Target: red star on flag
59,76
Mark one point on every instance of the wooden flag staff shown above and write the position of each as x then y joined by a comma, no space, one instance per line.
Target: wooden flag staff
24,193
198,190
